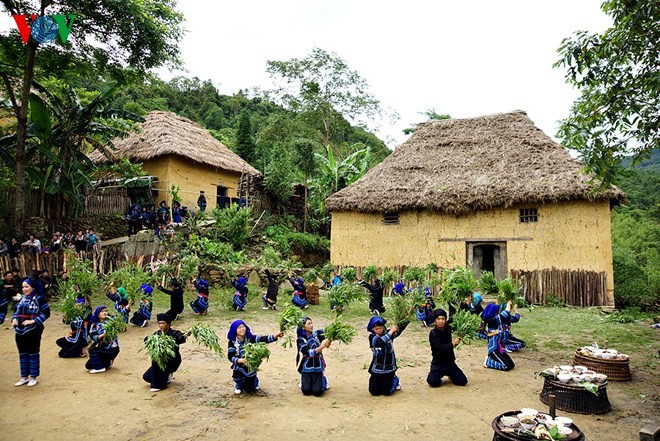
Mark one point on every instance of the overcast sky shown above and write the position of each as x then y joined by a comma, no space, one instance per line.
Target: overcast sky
465,58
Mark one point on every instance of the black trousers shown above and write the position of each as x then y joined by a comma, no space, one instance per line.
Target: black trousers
381,384
311,383
70,350
158,377
30,342
450,369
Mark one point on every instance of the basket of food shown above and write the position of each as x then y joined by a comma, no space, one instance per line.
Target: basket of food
577,389
526,424
609,362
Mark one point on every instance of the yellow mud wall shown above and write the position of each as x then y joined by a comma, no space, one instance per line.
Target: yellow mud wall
568,236
191,177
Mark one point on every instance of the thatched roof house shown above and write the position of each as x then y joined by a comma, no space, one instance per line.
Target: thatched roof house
178,151
460,166
493,193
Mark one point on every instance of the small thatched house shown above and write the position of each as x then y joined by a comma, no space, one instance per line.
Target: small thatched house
492,192
180,152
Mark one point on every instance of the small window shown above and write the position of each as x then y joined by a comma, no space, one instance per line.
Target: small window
391,218
529,215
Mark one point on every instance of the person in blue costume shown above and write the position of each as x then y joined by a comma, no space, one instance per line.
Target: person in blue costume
383,380
299,293
200,305
176,212
310,361
425,311
497,357
509,341
76,341
241,294
121,299
398,289
142,316
104,350
239,334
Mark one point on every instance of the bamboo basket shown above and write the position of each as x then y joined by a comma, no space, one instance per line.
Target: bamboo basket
312,294
616,370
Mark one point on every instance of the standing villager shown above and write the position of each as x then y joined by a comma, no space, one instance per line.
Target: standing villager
201,201
176,298
159,378
163,213
142,316
121,299
299,293
269,298
239,334
375,296
509,341
383,380
103,351
200,305
176,212
80,242
6,293
133,219
497,357
28,323
442,350
76,341
241,294
310,361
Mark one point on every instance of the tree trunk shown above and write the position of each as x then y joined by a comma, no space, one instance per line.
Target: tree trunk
305,208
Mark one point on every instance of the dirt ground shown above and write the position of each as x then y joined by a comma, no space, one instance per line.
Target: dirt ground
70,404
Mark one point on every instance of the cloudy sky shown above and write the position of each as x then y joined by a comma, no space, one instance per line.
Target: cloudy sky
465,58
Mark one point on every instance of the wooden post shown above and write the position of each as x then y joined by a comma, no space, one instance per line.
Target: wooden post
552,402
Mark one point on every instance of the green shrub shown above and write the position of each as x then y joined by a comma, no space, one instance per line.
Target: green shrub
631,282
554,300
233,225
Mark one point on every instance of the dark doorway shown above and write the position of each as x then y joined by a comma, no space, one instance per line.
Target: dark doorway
487,256
222,200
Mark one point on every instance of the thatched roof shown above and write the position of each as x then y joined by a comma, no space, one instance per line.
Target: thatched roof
459,166
165,133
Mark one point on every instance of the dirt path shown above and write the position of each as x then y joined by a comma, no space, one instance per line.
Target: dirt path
70,404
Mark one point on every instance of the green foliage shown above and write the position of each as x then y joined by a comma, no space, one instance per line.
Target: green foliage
555,301
459,284
465,326
628,315
349,274
174,193
189,267
287,240
126,170
414,274
370,273
255,354
388,277
289,319
113,326
68,294
616,73
310,276
400,310
343,295
213,252
278,176
131,277
160,348
206,336
341,332
232,224
509,290
488,283
431,115
81,274
245,147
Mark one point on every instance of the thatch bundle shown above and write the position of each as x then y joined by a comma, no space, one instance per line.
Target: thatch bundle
165,133
460,166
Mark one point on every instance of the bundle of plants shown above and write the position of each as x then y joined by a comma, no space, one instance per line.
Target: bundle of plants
131,277
343,295
400,310
414,275
488,284
465,325
338,331
369,273
160,348
510,290
70,309
388,277
417,297
81,273
227,298
161,270
349,274
310,276
205,336
255,354
459,284
189,267
113,326
290,318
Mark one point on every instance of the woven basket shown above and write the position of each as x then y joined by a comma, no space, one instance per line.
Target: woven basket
576,399
616,370
501,435
312,294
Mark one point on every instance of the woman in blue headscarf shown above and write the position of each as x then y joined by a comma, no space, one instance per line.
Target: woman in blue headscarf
497,357
241,294
142,316
510,343
239,334
383,380
103,351
74,344
122,300
299,293
310,361
28,323
398,289
425,311
200,305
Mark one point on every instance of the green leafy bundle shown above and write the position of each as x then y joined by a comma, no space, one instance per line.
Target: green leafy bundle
81,274
388,277
189,267
205,336
343,295
459,284
255,354
510,291
113,326
349,274
131,277
310,276
369,273
341,332
70,309
290,318
465,326
417,297
160,348
488,283
414,274
400,310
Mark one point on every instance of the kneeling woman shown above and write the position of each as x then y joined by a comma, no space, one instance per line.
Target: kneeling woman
157,377
509,341
383,380
311,344
142,316
497,357
103,351
74,344
239,334
241,294
299,293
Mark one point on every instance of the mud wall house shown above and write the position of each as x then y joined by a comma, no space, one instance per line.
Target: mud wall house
178,151
494,193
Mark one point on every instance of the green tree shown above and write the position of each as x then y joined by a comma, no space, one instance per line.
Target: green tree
109,34
245,147
278,176
618,112
431,115
307,165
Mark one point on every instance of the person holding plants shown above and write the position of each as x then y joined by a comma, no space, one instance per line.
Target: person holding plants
142,316
104,348
299,293
200,305
74,344
159,377
383,380
442,350
375,296
510,343
270,296
121,299
32,310
425,311
176,298
497,357
240,296
398,289
310,361
238,336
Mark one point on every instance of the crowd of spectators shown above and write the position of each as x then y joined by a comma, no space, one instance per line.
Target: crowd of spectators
33,246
